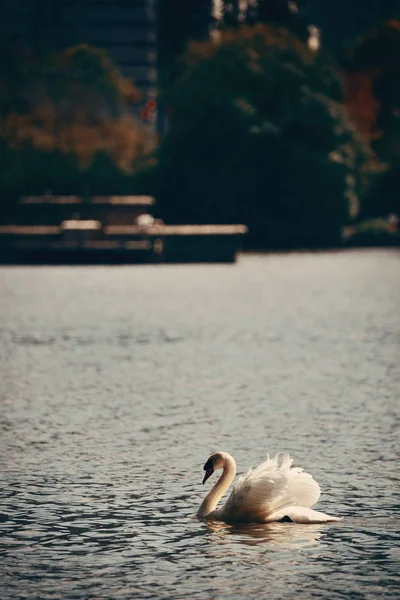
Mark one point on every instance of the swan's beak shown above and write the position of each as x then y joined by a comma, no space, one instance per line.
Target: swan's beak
208,474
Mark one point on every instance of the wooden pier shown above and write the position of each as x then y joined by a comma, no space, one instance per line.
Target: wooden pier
109,230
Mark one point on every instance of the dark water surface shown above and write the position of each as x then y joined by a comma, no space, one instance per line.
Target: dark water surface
118,382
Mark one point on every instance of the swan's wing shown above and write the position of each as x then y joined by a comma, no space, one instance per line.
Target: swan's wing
274,485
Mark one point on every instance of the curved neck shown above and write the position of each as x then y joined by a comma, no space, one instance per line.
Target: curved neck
214,496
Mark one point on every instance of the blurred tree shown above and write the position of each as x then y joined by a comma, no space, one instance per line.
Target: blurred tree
258,134
64,109
178,23
361,102
373,100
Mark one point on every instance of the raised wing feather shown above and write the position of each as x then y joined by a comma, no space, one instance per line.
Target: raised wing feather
272,486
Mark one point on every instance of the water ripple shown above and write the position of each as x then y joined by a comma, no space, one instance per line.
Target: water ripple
118,382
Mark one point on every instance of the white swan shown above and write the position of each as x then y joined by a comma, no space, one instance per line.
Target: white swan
274,491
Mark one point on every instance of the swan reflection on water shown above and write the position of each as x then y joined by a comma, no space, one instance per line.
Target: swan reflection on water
284,535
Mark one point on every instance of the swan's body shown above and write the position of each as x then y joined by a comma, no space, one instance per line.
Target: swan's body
274,491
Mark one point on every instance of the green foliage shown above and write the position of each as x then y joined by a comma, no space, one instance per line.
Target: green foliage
375,56
258,135
383,198
66,123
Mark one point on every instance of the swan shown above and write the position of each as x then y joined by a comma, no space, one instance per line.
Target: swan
274,491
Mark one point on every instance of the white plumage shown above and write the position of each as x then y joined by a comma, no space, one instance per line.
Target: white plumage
274,491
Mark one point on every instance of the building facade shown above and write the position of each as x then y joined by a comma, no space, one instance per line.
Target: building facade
126,29
340,21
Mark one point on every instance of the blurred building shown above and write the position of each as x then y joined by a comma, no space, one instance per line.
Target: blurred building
124,28
342,20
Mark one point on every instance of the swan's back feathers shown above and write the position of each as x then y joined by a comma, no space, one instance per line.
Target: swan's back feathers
272,486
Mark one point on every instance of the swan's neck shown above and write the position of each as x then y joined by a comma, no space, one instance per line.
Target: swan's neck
214,496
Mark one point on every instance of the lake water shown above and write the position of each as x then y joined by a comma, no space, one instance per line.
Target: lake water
118,382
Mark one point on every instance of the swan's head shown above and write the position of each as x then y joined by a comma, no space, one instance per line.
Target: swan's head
215,462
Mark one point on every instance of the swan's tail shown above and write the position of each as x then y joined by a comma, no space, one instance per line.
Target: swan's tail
300,514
